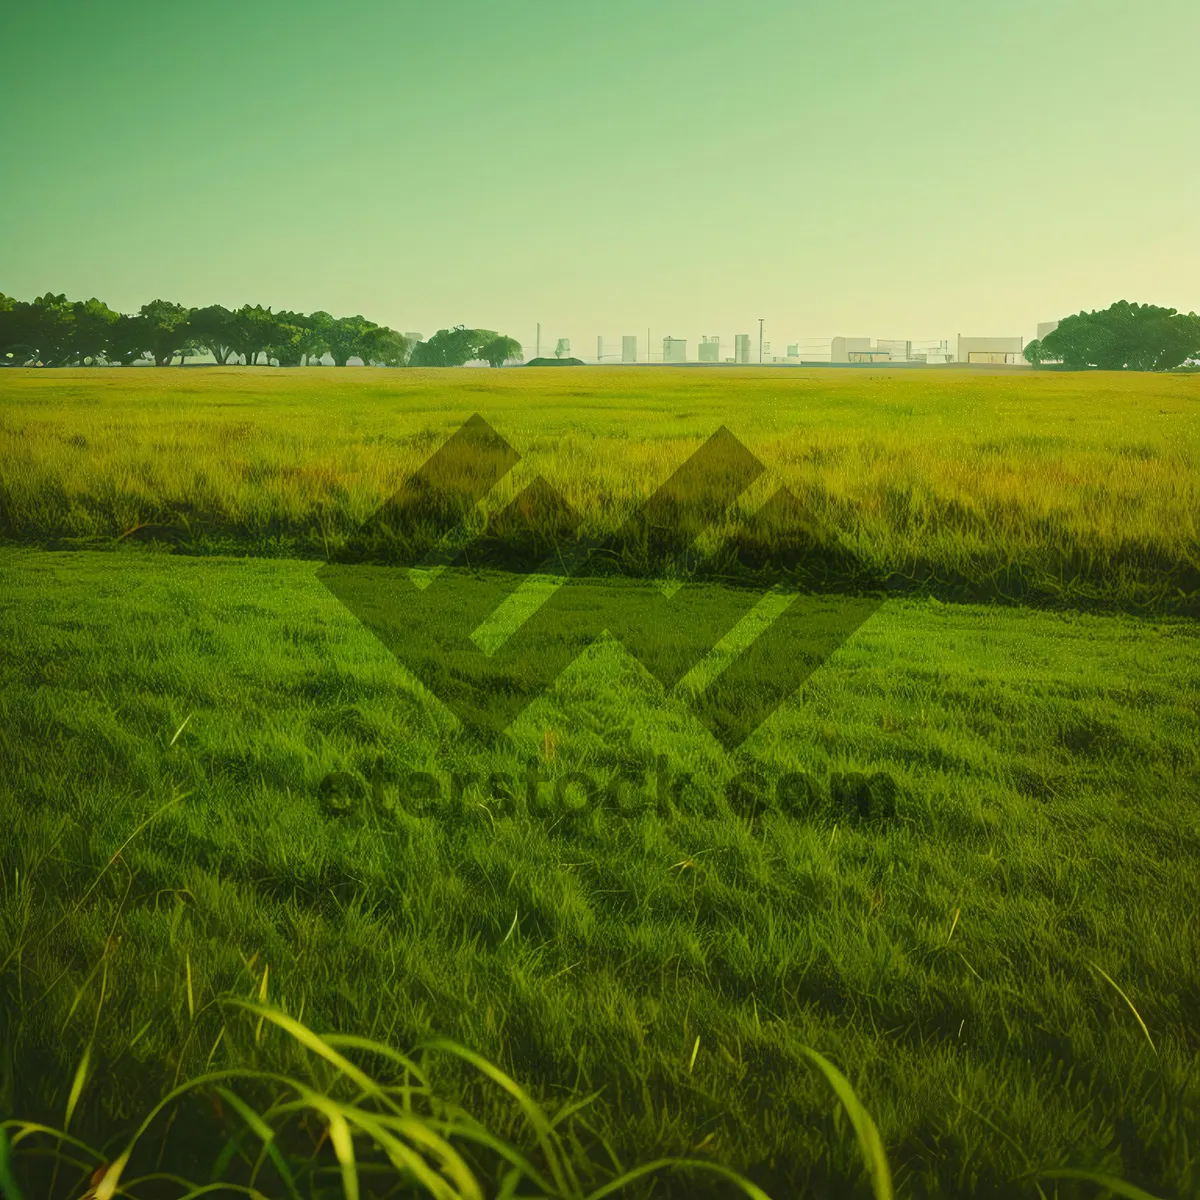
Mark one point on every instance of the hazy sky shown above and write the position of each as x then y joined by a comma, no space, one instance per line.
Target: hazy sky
865,167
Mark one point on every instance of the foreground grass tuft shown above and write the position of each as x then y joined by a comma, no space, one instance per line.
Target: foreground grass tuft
389,1136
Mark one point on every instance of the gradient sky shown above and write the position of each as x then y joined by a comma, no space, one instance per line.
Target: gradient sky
884,168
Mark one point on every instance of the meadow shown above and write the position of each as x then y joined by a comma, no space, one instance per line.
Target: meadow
1006,970
1077,490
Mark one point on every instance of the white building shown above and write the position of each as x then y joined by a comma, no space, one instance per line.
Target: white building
842,347
741,348
674,350
629,348
898,351
710,349
857,350
993,350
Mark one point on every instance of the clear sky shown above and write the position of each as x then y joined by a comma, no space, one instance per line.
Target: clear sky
884,168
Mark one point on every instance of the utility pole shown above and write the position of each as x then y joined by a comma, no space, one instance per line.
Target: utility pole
538,348
648,359
599,347
760,323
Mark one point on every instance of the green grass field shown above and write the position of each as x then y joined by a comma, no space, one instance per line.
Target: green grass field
1051,488
1007,971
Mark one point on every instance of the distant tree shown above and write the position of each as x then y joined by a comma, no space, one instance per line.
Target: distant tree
252,331
345,338
167,331
211,329
384,347
501,350
16,325
128,339
284,347
316,338
92,321
1137,337
452,347
301,338
50,329
1035,355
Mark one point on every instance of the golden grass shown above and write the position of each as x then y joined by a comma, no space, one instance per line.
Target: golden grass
1086,473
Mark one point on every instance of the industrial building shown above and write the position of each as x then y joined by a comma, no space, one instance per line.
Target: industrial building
629,348
741,348
990,350
674,350
710,349
856,350
898,351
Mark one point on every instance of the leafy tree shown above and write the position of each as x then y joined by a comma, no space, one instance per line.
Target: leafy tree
92,321
1138,337
50,329
1035,353
284,347
16,329
453,347
384,347
128,339
253,330
212,330
345,338
167,330
501,350
300,338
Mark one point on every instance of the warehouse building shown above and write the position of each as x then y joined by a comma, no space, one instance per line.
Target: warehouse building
990,350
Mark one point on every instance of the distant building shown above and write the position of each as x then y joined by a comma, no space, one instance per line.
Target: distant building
674,350
994,350
794,350
710,349
932,352
1045,327
741,348
842,347
898,351
629,349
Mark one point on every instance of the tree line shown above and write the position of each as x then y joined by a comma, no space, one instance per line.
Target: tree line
1135,337
53,331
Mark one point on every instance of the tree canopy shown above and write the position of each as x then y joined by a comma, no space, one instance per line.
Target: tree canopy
1134,337
53,331
455,347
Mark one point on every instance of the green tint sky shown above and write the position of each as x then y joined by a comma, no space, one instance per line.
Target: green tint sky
865,167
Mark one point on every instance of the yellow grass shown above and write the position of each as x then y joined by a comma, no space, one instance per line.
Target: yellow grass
1085,472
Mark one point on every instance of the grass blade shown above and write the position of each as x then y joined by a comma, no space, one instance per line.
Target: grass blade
1127,1000
8,1182
868,1136
687,1164
77,1084
1117,1186
542,1128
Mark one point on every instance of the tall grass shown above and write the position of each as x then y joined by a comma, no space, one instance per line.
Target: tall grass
1047,488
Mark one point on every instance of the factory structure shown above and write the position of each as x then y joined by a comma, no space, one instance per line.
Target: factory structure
963,350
